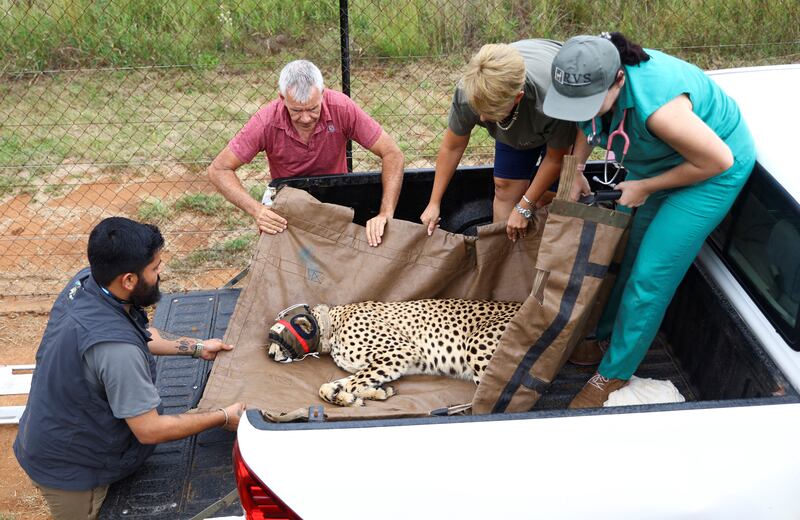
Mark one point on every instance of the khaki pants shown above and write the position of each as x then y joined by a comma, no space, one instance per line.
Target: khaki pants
74,505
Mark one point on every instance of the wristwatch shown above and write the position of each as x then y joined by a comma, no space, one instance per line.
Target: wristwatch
524,212
198,349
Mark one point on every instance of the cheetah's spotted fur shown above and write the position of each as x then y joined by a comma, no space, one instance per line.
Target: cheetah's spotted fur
380,342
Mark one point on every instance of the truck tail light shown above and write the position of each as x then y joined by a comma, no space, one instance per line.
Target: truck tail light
258,501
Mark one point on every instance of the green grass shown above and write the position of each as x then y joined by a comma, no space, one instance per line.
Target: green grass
257,190
201,203
156,211
239,244
138,123
235,219
153,211
7,185
44,34
48,34
185,115
140,116
234,252
56,190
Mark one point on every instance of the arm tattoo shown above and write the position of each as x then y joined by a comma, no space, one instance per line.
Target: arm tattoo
185,345
168,335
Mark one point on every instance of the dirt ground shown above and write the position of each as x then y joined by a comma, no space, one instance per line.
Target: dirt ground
44,237
22,323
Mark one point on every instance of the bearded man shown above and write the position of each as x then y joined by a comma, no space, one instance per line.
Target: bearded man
94,414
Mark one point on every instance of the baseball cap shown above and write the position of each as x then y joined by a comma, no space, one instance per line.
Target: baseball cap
582,72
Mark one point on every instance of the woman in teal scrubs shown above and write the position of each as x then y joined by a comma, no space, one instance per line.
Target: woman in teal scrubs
689,154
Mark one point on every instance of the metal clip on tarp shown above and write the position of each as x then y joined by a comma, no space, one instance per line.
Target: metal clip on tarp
316,413
458,409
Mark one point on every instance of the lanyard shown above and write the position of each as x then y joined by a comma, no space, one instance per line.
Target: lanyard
109,293
594,139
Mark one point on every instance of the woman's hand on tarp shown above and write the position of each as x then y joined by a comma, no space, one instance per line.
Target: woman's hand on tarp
430,217
517,226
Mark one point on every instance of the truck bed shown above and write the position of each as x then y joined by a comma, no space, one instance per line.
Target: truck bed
184,477
703,348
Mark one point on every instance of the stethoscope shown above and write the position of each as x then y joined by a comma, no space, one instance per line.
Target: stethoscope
594,139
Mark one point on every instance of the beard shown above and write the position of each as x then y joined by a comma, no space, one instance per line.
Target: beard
144,295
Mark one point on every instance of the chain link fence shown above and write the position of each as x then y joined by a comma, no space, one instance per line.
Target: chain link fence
117,107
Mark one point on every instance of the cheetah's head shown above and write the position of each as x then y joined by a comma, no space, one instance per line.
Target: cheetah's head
294,335
298,332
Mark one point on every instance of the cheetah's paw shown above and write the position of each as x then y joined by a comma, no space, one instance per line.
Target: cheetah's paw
333,393
376,394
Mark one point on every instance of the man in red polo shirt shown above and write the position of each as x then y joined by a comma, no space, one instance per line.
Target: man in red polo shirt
304,132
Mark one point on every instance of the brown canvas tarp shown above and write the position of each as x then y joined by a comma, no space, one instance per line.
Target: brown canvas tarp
577,246
323,258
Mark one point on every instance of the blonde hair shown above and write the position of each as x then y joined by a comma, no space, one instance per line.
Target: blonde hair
493,78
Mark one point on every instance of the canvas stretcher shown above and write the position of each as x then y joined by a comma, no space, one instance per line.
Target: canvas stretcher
323,257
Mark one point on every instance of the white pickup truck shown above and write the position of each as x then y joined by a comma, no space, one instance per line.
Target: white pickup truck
730,343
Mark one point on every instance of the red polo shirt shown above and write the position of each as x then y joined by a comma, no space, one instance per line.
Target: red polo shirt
271,130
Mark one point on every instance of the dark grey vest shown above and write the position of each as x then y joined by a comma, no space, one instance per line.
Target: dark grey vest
68,437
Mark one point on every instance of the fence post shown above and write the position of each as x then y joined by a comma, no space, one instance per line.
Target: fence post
344,51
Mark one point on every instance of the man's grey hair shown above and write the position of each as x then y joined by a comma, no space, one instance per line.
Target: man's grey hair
298,77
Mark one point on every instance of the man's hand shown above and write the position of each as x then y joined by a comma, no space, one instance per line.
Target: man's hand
375,227
517,226
235,412
153,428
211,347
391,181
270,222
430,217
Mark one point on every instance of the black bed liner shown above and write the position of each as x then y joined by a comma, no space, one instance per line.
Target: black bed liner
182,477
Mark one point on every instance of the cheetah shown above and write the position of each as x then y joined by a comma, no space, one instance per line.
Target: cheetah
380,342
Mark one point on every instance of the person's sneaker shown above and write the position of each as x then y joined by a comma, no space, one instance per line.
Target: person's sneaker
596,391
589,352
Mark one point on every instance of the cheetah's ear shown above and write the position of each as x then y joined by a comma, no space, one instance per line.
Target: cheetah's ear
320,309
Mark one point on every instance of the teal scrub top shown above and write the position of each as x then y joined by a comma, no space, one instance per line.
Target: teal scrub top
650,85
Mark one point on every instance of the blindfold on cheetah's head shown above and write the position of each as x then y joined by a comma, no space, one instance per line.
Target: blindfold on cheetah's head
294,335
